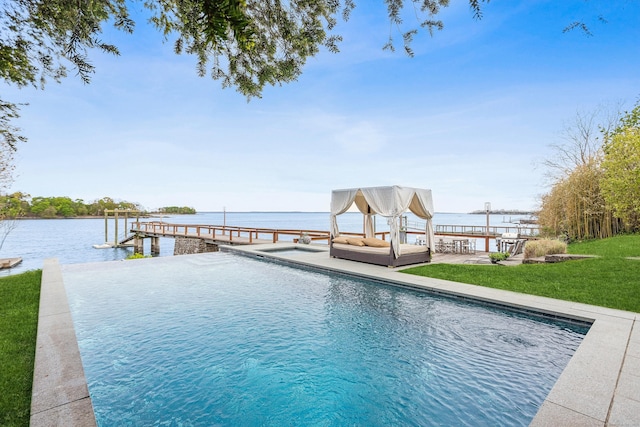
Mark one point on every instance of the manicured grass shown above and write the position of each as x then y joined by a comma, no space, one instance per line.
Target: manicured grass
619,246
610,280
19,301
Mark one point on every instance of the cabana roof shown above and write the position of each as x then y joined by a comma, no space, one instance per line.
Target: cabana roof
388,201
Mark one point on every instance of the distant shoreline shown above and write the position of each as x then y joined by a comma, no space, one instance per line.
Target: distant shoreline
503,212
167,215
121,215
89,217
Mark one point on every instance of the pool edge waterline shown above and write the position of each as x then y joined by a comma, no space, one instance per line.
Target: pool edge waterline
584,392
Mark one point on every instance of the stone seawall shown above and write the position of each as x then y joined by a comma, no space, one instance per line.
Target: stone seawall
187,245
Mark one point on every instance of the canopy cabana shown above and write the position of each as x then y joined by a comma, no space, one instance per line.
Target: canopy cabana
390,202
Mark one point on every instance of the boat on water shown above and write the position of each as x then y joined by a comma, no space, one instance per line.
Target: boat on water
106,245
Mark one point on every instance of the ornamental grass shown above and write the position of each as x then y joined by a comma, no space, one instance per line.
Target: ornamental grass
542,247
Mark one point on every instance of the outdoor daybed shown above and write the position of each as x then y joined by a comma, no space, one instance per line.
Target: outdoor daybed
390,202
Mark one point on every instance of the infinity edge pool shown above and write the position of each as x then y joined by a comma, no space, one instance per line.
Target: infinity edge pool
599,385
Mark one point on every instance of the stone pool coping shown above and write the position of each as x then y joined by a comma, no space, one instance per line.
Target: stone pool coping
600,386
60,396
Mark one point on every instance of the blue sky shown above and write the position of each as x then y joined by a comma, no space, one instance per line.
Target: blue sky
470,116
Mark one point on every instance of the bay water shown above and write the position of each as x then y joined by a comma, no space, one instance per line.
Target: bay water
71,240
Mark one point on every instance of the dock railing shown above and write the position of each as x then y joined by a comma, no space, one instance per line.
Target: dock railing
232,234
481,230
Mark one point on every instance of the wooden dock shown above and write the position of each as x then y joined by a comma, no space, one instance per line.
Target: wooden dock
223,233
232,235
9,262
216,234
480,231
524,232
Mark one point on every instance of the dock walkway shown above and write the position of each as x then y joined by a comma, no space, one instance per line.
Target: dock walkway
222,233
9,262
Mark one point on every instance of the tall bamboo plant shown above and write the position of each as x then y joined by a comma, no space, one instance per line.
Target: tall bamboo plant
575,206
579,204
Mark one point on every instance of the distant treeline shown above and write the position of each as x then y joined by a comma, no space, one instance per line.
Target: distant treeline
504,212
182,210
21,205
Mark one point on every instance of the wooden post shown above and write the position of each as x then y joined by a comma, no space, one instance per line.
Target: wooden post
138,245
106,226
155,245
126,228
487,207
115,238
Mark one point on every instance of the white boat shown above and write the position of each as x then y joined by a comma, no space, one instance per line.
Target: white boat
103,246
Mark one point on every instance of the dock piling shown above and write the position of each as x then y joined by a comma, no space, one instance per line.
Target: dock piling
155,246
138,245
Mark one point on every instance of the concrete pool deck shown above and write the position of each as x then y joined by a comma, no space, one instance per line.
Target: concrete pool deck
599,387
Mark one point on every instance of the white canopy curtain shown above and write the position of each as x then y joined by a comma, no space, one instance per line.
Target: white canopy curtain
390,202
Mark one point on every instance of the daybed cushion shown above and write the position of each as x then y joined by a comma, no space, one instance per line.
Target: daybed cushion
376,243
406,249
355,241
363,248
340,239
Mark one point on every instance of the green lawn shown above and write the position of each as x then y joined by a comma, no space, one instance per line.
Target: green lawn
611,280
19,300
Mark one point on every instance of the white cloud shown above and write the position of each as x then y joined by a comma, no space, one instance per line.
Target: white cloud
361,138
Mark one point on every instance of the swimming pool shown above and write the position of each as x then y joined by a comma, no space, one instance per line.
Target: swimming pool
221,339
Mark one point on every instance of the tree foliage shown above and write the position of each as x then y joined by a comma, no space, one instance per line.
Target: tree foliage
581,141
245,44
11,207
596,192
23,205
40,37
180,210
18,205
621,165
576,208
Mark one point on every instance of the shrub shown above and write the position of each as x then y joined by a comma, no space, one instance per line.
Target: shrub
542,247
137,256
498,256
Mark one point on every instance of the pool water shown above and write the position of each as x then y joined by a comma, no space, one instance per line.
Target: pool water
221,339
